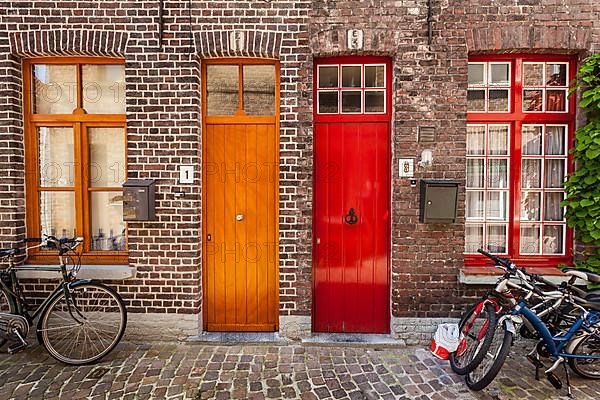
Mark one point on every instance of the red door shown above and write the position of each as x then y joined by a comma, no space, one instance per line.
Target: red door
352,195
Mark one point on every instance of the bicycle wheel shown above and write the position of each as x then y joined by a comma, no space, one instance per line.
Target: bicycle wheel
475,326
85,328
587,367
6,306
493,359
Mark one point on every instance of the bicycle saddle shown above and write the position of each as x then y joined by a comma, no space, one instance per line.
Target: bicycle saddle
585,275
593,304
8,252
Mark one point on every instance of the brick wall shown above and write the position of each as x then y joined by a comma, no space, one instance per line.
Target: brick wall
164,119
163,124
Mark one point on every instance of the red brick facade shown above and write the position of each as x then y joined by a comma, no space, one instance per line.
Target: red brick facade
163,95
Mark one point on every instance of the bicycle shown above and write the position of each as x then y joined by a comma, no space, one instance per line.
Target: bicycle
79,322
495,302
481,346
568,344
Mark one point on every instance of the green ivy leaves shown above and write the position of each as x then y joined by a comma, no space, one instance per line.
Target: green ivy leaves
583,186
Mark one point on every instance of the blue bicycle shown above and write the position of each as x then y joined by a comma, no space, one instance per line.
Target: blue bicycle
578,344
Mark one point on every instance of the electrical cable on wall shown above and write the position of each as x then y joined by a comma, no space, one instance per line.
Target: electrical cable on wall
160,24
429,22
191,32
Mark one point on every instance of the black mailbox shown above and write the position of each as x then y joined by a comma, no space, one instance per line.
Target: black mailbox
438,201
139,196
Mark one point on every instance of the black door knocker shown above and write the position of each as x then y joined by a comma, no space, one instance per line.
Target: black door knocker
351,218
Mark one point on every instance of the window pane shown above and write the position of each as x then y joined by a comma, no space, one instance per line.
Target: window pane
475,139
498,100
531,140
555,140
552,209
555,173
498,173
103,88
556,74
328,102
351,76
556,100
54,89
474,206
530,206
499,74
374,76
473,238
497,206
108,228
351,102
222,91
476,74
530,239
107,156
476,100
553,239
498,140
328,76
531,173
533,74
56,157
496,238
475,173
532,100
374,101
57,214
259,89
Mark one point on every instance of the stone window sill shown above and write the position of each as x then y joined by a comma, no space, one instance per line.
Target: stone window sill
489,275
101,272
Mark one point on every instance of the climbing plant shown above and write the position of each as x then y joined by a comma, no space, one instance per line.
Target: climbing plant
583,185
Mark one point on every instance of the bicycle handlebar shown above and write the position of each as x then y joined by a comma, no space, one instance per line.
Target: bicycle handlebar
63,245
499,260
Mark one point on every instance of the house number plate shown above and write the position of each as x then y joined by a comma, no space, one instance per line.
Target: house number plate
407,168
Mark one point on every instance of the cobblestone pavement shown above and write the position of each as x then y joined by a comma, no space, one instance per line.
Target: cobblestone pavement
161,370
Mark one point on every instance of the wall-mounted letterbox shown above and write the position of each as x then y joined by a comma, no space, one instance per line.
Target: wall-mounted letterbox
438,201
139,196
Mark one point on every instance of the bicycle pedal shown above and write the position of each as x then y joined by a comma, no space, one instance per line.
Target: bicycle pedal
554,380
16,347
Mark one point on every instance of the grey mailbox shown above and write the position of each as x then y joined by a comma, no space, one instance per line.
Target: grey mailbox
438,201
139,196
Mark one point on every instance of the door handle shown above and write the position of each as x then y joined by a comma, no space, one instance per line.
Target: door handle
351,218
239,217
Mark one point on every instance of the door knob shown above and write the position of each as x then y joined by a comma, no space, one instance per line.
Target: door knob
239,217
351,218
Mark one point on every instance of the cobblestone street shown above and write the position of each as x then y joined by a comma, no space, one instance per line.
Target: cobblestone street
198,371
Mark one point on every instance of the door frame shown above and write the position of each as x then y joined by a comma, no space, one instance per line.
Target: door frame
357,118
231,119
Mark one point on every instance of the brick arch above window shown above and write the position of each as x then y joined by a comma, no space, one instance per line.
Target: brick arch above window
68,43
219,44
528,39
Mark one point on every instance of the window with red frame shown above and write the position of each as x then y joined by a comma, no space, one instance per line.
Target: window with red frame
520,125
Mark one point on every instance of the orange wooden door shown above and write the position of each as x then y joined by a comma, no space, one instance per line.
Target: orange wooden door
240,206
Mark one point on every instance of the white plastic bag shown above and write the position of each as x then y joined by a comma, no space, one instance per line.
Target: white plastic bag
445,340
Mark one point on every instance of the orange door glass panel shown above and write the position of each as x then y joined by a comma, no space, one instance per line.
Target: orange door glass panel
240,217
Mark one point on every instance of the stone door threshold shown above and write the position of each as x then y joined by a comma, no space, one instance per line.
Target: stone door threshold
353,339
238,337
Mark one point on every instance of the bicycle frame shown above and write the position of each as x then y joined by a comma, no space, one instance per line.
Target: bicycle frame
556,344
21,303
